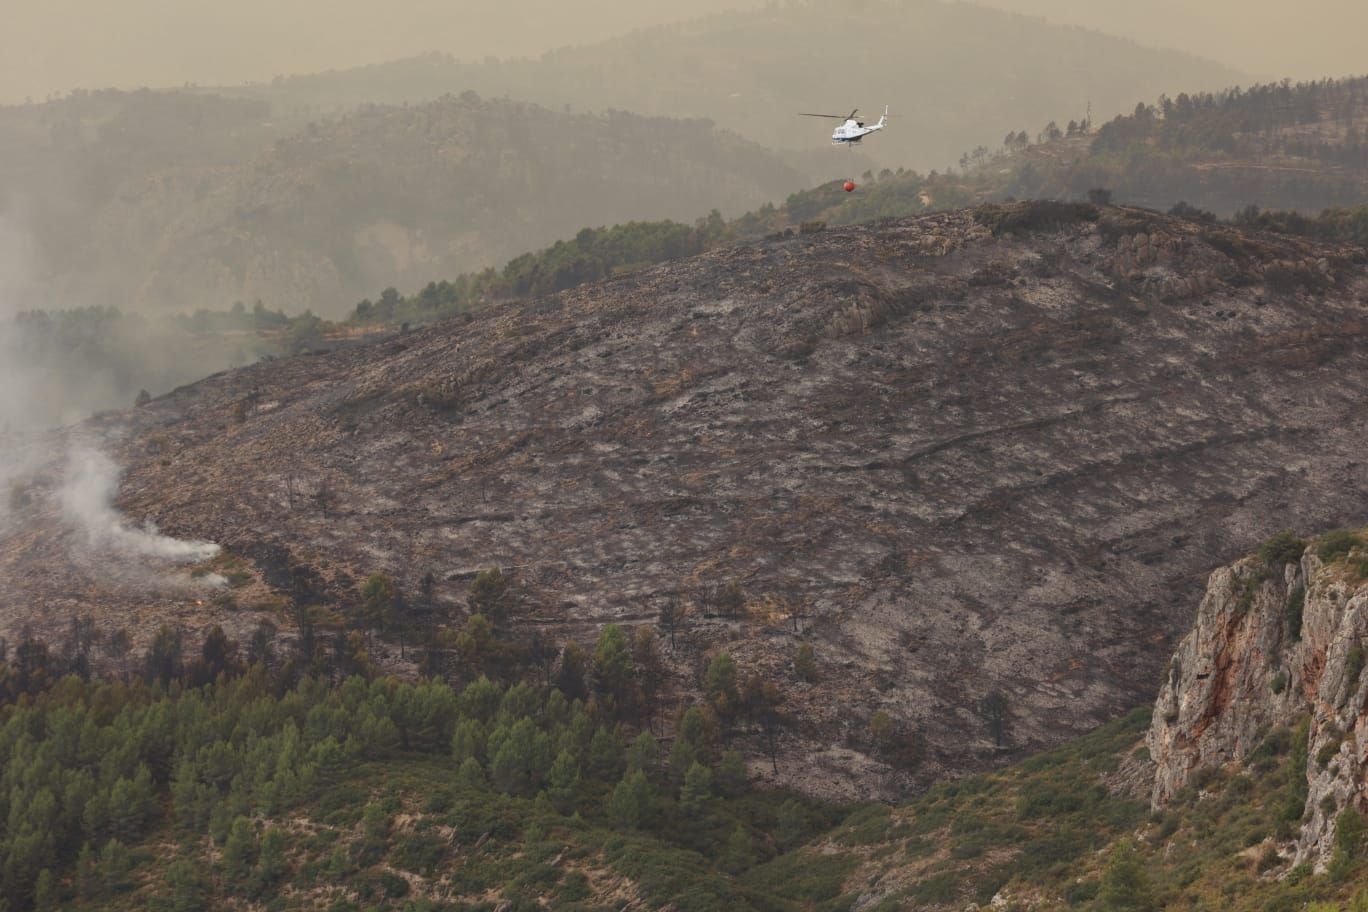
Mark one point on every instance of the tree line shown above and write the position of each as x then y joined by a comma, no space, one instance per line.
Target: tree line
212,740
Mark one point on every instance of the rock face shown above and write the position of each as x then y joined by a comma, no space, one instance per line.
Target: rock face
1254,661
979,472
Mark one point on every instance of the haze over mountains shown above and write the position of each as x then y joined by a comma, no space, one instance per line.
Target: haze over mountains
53,47
294,194
948,71
335,212
1307,40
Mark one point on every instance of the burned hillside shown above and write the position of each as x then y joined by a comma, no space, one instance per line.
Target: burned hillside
981,461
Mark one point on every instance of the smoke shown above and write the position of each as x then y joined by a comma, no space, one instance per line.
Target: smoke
87,496
36,395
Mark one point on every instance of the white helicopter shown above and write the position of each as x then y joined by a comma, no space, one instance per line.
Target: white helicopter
852,131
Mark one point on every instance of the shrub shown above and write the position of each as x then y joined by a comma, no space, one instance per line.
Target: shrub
1353,666
1349,845
1036,215
803,877
1282,549
1294,798
866,826
1125,883
1335,545
418,852
937,889
1293,611
1330,748
1081,892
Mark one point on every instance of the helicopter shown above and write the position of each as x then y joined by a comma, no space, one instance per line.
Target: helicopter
852,130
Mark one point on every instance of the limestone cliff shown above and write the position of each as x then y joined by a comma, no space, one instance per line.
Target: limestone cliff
1272,645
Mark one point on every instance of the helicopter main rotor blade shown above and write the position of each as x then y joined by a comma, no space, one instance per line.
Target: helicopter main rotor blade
832,116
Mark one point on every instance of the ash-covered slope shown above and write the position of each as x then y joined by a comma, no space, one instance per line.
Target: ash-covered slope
968,456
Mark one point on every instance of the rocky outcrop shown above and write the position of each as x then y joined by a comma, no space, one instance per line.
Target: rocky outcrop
1273,645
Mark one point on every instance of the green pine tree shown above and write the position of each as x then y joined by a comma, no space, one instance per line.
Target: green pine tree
740,853
45,896
88,885
632,804
696,791
271,862
239,851
644,754
732,776
613,678
471,774
115,864
468,740
719,683
695,740
562,782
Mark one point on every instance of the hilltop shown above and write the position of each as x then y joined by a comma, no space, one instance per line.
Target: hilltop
1289,158
978,461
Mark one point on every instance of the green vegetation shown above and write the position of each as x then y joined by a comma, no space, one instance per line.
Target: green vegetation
515,790
593,254
1282,549
1353,666
1293,611
208,784
1335,545
1333,224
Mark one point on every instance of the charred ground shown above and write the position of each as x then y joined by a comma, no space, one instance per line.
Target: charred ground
979,459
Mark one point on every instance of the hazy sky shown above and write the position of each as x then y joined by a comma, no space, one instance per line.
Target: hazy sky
1268,38
55,45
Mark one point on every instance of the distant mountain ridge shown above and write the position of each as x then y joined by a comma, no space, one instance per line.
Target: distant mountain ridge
321,216
955,75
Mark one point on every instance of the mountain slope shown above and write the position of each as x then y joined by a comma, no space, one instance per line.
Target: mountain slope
955,75
332,212
426,796
981,474
1287,147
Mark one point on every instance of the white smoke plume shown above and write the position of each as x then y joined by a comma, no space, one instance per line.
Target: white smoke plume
92,480
36,397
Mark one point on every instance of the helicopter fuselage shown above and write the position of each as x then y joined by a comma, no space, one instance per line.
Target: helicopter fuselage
852,131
